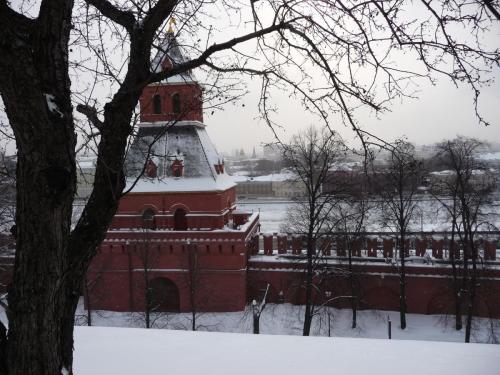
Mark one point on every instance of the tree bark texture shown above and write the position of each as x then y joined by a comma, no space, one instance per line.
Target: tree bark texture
402,282
308,314
50,258
352,284
36,94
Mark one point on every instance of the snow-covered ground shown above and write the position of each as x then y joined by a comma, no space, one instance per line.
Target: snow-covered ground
287,319
133,351
429,216
107,349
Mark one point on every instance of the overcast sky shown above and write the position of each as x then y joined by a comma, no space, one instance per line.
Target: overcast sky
441,111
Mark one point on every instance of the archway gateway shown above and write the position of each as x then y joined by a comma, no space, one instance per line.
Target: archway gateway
164,295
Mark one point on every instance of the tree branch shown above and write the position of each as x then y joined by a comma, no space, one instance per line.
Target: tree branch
8,14
91,114
489,4
194,63
157,15
123,18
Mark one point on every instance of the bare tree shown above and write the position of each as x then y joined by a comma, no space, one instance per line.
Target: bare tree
148,259
92,288
193,281
349,220
467,188
257,310
400,182
311,153
48,50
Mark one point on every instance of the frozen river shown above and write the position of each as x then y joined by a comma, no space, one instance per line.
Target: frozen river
429,215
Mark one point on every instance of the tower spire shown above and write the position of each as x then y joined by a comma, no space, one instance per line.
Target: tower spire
171,22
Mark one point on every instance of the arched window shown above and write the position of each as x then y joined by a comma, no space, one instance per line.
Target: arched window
148,218
176,103
180,220
157,104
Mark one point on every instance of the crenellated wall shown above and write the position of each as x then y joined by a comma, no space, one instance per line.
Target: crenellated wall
435,245
231,270
279,260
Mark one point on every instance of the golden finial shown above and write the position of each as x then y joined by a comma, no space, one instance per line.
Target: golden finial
171,22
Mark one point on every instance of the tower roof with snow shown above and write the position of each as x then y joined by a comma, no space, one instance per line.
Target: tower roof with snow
169,55
172,150
164,144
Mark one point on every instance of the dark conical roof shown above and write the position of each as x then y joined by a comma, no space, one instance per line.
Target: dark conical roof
163,142
170,54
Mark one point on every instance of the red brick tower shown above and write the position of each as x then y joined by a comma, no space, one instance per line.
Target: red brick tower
178,98
177,229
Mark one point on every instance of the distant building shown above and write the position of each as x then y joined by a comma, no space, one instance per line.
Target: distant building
271,151
278,185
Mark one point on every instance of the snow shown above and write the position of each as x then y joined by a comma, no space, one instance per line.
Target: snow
209,150
345,166
287,319
363,350
87,162
182,184
429,216
140,351
446,172
283,176
490,156
271,213
51,104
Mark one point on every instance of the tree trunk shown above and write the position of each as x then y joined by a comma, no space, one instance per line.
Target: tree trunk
3,349
309,280
46,282
402,283
148,300
456,283
472,290
44,300
50,258
354,298
86,295
256,324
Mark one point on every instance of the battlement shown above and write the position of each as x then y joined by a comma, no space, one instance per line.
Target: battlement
422,246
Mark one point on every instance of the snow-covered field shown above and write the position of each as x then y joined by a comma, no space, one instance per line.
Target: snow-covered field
133,351
286,319
429,216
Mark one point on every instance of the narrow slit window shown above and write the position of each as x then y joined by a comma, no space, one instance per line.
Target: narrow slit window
176,103
157,104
